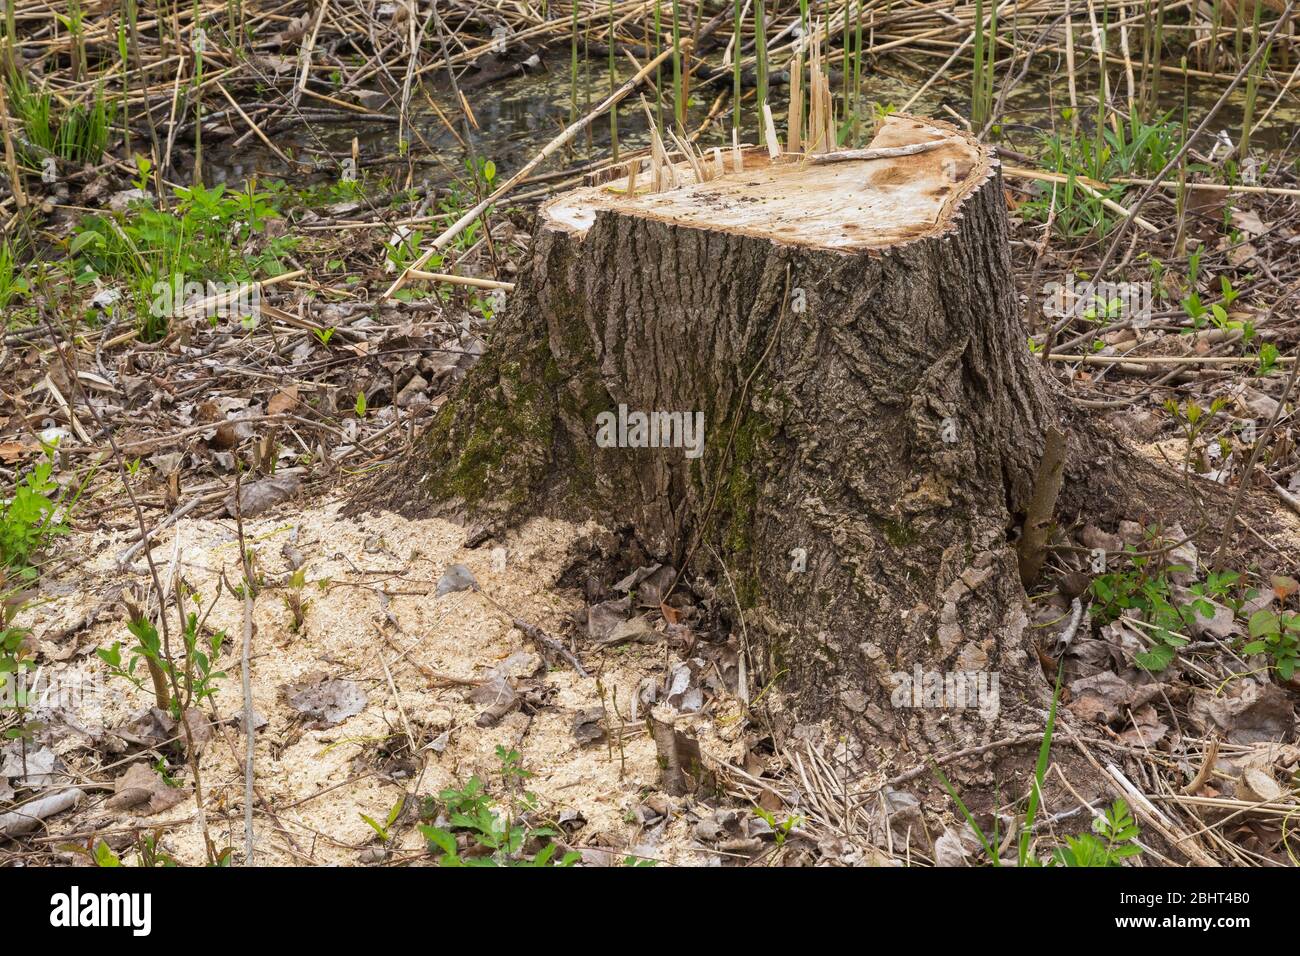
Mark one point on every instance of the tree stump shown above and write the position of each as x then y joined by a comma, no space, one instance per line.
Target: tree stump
872,419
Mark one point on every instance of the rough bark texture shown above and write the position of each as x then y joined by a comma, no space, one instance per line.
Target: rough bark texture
889,430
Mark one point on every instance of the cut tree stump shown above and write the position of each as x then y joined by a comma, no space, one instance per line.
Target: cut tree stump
872,419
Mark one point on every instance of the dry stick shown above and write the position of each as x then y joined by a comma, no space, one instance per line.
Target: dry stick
1069,68
1207,767
970,38
29,818
879,152
245,678
537,635
461,280
397,700
256,129
1032,548
304,55
11,161
1281,93
573,130
1039,175
1155,360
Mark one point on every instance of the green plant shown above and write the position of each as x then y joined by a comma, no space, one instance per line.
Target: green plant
156,252
384,830
15,653
79,135
1277,634
1193,422
294,600
404,249
1114,839
496,833
193,681
150,856
1268,356
985,56
12,281
1122,149
104,856
29,520
1145,587
780,830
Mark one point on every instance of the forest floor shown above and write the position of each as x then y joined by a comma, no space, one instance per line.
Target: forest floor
408,683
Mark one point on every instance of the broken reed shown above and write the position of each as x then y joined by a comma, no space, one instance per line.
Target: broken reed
198,45
74,23
984,52
573,64
11,39
760,49
857,75
1252,85
613,85
679,91
735,68
1153,28
1180,198
659,70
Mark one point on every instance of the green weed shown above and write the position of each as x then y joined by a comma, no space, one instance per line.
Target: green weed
29,521
194,680
1276,634
494,833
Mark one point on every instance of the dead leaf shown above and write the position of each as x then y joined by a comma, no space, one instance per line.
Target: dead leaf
497,695
604,617
1255,713
589,726
948,849
327,702
283,400
1104,697
258,496
1147,731
1284,586
456,578
34,773
11,451
142,789
637,629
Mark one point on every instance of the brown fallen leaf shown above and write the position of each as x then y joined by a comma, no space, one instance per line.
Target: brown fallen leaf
498,696
142,789
11,451
283,400
258,496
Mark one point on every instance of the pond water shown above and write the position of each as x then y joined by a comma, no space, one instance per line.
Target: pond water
519,115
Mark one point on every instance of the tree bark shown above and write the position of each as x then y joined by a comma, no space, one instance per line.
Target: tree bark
873,420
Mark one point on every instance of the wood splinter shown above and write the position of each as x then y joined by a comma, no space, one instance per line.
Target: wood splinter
858,155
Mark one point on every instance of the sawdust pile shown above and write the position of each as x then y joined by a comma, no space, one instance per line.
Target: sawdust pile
332,738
